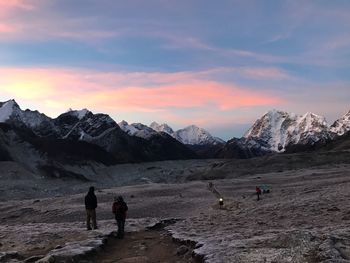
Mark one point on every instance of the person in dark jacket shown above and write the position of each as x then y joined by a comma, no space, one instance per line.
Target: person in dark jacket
90,206
119,210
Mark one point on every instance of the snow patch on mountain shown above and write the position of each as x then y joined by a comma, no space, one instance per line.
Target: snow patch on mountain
342,125
162,128
10,111
280,129
80,114
129,129
6,110
191,135
137,129
194,135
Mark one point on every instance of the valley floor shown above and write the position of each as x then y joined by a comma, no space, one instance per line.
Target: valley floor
305,218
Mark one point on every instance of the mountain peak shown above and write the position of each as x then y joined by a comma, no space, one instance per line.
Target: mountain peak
278,129
342,125
7,109
194,135
80,114
123,123
162,128
154,123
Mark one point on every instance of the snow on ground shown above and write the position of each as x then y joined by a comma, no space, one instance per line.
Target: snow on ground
50,238
305,218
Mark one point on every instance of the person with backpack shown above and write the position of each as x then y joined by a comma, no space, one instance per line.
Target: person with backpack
119,210
258,192
90,206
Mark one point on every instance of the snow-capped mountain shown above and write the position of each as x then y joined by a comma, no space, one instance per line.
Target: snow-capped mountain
10,112
278,129
162,128
191,135
342,125
194,135
80,132
137,129
83,125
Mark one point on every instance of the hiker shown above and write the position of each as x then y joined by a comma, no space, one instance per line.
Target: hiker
265,189
119,209
258,192
91,205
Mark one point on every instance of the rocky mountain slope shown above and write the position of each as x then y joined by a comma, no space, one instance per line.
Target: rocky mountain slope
342,125
196,139
190,135
77,136
275,132
137,129
279,131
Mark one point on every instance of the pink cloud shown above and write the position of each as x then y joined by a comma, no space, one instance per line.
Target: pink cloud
56,90
211,118
7,6
7,28
269,73
196,95
10,16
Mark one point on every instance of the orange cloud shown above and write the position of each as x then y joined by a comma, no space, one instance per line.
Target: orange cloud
195,95
136,91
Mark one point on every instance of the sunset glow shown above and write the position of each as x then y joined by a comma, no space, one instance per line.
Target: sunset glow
151,61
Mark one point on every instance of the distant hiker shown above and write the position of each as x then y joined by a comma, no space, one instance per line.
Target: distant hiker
119,210
258,192
265,189
91,205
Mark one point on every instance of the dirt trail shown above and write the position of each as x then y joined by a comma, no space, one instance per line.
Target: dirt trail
144,247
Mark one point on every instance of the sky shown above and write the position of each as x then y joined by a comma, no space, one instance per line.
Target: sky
217,64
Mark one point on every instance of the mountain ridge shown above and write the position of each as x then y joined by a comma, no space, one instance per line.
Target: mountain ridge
274,132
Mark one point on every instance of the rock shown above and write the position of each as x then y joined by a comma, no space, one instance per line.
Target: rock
333,209
182,250
6,256
47,259
33,259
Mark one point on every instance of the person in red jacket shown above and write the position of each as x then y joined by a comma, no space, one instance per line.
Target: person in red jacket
119,210
258,192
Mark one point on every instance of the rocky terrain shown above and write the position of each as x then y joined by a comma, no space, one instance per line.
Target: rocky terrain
47,165
280,131
82,131
275,132
304,218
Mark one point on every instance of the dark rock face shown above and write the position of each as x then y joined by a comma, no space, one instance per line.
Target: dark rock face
339,143
58,150
81,136
164,145
71,126
243,149
206,151
4,154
